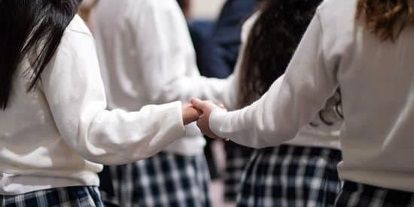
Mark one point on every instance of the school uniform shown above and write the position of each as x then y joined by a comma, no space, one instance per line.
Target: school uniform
269,178
147,57
52,138
69,196
375,79
291,175
236,159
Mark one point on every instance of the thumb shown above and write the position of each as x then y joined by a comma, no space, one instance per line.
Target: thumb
197,103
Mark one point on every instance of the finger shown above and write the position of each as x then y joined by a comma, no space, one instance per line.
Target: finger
200,112
197,103
187,105
194,112
199,125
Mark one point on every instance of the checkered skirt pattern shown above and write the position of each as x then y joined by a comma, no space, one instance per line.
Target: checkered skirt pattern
291,176
237,157
163,180
360,195
58,197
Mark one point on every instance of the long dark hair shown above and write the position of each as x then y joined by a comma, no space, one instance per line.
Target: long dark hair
271,44
386,18
30,28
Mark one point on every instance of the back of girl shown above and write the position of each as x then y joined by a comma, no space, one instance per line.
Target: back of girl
54,126
273,35
373,51
365,48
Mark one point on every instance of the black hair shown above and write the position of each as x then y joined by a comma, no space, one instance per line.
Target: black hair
271,43
181,3
30,28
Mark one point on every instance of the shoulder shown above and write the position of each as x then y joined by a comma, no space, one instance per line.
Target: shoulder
76,38
337,20
337,23
336,10
144,12
77,25
156,6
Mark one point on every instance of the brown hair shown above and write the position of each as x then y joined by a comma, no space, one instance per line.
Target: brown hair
386,18
271,43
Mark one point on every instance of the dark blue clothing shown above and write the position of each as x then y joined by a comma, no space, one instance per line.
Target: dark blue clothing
217,44
228,30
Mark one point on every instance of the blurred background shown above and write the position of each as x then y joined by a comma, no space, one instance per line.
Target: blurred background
206,10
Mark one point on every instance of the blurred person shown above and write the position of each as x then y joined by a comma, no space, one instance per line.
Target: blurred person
147,57
226,34
218,44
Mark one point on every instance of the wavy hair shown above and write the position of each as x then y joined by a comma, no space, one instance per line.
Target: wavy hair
386,18
271,43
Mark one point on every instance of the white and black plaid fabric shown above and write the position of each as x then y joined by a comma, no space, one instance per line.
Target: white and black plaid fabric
164,180
58,197
360,195
291,176
237,157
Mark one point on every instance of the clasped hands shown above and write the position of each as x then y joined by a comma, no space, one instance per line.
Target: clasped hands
200,111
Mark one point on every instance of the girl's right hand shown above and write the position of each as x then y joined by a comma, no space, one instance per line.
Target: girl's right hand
205,108
190,114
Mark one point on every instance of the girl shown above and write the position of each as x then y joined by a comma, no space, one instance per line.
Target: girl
269,40
54,127
364,47
268,179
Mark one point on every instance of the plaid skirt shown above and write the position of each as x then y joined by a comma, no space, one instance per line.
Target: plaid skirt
360,195
57,197
237,157
165,179
291,176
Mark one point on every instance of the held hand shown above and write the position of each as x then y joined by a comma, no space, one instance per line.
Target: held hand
205,108
190,114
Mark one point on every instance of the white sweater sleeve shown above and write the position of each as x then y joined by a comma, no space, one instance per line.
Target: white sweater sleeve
291,102
166,53
75,94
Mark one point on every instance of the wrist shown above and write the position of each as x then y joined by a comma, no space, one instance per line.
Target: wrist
217,120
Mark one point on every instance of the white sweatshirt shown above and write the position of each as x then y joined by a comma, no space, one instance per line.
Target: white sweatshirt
147,57
321,135
376,79
54,136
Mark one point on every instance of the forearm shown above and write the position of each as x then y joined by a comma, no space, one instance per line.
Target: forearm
117,137
185,87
